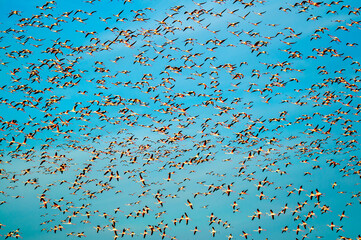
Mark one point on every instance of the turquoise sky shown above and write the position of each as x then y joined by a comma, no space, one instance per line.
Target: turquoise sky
150,119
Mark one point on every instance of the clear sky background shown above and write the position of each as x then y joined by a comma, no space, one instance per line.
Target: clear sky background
241,108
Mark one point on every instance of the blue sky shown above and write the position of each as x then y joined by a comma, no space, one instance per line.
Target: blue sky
257,97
